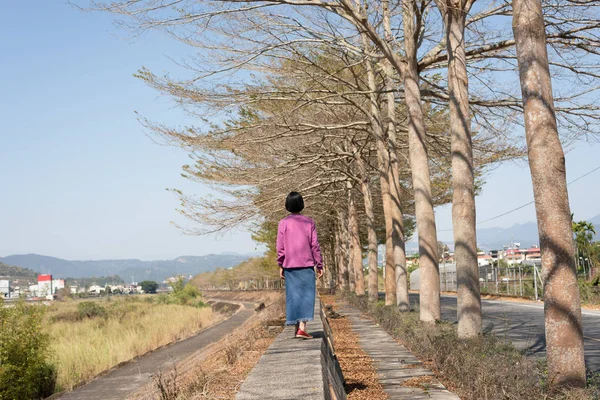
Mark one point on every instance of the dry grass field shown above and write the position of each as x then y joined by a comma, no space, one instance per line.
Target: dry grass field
87,340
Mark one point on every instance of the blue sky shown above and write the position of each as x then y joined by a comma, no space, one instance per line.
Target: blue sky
80,179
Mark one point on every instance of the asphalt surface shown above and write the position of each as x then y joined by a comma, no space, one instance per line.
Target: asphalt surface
523,324
130,377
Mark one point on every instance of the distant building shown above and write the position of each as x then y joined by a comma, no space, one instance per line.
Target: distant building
57,284
4,287
515,255
483,260
96,289
44,285
33,290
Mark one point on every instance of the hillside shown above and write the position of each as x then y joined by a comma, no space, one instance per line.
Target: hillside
12,272
127,269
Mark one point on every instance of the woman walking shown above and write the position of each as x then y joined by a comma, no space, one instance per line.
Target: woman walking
298,255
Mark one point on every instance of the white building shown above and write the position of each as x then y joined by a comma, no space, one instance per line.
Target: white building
96,289
33,290
57,284
484,260
4,287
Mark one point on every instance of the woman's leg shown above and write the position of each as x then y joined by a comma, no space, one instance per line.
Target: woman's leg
303,326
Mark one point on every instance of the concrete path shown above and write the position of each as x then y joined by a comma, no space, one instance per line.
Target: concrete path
394,363
523,325
130,377
290,368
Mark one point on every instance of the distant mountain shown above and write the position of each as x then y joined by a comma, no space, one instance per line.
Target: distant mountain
140,270
526,234
494,238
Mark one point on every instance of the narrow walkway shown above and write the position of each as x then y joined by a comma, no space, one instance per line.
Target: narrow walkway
130,377
290,368
395,365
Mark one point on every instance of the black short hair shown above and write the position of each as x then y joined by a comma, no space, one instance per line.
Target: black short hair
294,202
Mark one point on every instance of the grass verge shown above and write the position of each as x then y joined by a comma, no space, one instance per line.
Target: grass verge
487,368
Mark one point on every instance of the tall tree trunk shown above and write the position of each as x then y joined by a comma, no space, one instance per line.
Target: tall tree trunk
562,309
463,177
346,250
390,265
332,258
356,248
383,165
365,189
430,275
396,217
341,250
338,258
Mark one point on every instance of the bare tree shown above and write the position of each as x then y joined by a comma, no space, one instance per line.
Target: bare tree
564,334
430,278
356,248
454,13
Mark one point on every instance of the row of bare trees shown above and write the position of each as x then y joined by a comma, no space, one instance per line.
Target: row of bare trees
377,111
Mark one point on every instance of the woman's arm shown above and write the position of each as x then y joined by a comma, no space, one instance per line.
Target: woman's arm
315,247
280,244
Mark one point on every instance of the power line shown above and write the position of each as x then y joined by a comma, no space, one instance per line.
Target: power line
527,204
584,175
506,213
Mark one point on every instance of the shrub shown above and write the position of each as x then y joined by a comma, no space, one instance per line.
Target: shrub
178,284
163,298
589,292
186,295
202,304
149,286
90,309
25,372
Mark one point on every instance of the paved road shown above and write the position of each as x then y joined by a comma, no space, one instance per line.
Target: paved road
523,324
125,380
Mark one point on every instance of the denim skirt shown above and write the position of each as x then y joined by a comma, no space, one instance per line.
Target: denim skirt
300,293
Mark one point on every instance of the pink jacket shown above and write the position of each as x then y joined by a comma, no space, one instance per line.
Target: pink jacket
297,243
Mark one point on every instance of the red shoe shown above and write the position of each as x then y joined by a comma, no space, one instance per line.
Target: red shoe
303,335
296,329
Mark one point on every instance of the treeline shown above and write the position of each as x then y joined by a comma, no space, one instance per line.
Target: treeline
256,273
378,111
11,271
